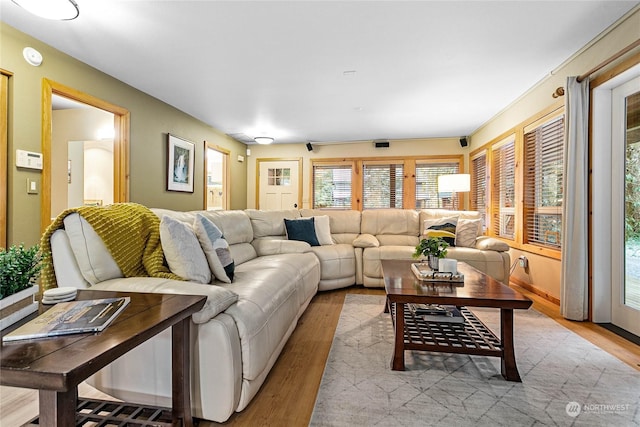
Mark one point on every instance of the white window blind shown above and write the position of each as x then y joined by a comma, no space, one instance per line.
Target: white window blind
382,185
503,189
427,196
479,187
543,158
332,186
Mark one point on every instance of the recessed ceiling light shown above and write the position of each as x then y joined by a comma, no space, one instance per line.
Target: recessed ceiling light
62,10
264,140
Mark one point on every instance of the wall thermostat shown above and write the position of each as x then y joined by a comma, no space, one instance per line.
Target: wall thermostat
28,159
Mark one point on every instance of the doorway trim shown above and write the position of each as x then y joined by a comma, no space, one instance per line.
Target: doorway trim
121,121
4,154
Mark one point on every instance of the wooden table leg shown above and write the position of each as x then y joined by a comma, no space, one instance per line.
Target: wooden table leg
509,367
397,363
58,408
181,374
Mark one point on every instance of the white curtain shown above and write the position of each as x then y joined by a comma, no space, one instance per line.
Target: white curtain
574,293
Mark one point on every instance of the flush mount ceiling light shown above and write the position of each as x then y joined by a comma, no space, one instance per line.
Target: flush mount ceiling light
264,140
63,10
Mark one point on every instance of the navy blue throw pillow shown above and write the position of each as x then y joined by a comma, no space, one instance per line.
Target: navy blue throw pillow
302,229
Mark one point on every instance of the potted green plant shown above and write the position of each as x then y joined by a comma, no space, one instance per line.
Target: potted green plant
19,270
433,248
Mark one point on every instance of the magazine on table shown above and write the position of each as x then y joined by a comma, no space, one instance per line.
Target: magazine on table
437,313
72,317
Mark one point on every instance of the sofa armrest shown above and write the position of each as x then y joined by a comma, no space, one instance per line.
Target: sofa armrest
218,297
486,243
366,241
265,247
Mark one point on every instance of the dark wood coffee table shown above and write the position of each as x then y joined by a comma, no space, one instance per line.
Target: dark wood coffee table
471,337
55,366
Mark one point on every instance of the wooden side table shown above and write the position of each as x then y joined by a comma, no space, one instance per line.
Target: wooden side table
55,366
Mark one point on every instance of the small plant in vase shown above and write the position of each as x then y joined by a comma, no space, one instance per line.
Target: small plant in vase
433,248
19,269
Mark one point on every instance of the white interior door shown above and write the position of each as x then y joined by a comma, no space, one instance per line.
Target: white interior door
625,192
279,183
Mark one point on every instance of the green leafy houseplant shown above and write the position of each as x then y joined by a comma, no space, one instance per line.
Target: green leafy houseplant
433,248
19,268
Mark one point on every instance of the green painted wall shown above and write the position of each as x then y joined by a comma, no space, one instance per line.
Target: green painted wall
151,120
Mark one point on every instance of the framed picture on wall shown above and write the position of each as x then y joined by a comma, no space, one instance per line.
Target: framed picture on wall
180,164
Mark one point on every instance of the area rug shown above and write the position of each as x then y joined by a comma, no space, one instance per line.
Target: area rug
566,380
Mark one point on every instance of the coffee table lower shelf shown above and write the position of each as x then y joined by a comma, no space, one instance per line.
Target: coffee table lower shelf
471,337
94,412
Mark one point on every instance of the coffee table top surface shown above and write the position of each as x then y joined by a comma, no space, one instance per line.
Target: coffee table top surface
58,363
478,289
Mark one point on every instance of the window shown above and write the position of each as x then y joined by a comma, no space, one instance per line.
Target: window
382,185
332,186
479,186
503,189
279,176
543,160
427,196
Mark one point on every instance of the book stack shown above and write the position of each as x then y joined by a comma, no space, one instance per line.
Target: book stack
437,313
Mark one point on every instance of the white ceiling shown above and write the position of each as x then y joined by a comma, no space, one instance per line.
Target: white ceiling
323,71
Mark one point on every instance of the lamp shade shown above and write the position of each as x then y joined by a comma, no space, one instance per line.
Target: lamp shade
264,140
51,9
454,183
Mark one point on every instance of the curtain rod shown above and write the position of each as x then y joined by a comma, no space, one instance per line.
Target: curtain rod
609,61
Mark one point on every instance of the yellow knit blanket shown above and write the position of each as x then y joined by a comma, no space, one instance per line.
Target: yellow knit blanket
131,233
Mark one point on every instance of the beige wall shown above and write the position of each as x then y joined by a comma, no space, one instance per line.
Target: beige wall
544,273
151,120
397,148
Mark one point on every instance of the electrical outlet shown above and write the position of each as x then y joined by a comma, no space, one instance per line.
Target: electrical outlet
522,261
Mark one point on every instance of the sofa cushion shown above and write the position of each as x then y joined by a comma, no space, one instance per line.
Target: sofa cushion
218,297
467,230
64,261
302,229
337,265
266,247
182,250
215,248
366,241
323,229
444,228
398,222
344,225
270,223
272,290
486,243
94,260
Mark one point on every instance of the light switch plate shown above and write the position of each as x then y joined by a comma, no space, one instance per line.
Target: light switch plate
32,186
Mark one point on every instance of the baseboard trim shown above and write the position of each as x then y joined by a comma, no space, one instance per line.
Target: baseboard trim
535,290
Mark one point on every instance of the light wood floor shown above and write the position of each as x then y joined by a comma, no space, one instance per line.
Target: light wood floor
288,395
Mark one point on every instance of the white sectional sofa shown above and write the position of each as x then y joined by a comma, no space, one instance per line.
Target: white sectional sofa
239,334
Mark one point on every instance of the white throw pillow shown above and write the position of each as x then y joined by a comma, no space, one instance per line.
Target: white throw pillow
323,229
467,231
215,247
182,251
